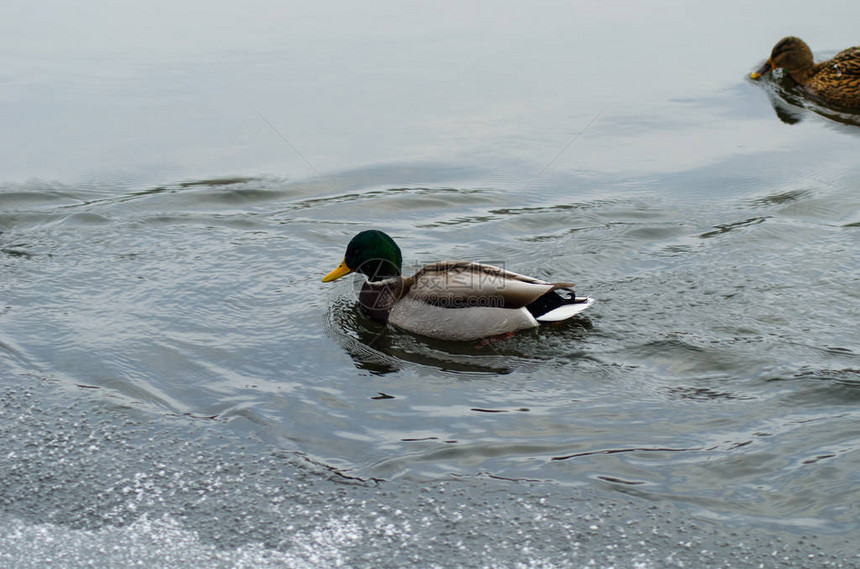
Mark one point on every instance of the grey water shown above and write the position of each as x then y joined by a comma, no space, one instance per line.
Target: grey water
176,179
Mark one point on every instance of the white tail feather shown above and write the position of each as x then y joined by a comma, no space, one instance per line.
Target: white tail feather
566,311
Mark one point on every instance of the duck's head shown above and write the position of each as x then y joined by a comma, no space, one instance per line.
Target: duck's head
791,54
371,253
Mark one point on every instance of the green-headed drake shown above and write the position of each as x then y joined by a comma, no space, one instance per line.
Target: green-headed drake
451,300
835,81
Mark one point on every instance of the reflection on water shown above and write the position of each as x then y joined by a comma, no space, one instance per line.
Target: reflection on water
381,349
791,104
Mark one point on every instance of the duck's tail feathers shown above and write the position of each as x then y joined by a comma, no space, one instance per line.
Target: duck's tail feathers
553,307
567,311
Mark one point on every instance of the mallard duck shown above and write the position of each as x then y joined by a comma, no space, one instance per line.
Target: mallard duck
451,300
835,81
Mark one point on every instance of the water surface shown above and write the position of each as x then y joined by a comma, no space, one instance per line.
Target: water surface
171,199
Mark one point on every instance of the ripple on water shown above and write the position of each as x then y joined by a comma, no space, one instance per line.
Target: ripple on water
202,299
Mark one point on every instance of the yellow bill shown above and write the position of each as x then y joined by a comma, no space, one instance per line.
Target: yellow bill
768,66
340,271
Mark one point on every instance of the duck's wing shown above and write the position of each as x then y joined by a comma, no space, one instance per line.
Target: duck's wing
461,284
846,62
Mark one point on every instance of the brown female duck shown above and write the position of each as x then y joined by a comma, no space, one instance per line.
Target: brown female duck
835,82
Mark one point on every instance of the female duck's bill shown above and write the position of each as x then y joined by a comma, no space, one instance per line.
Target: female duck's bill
767,66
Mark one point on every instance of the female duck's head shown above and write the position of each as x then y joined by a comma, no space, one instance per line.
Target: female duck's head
371,253
791,54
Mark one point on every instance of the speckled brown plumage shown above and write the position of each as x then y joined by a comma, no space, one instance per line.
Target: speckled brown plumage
835,82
